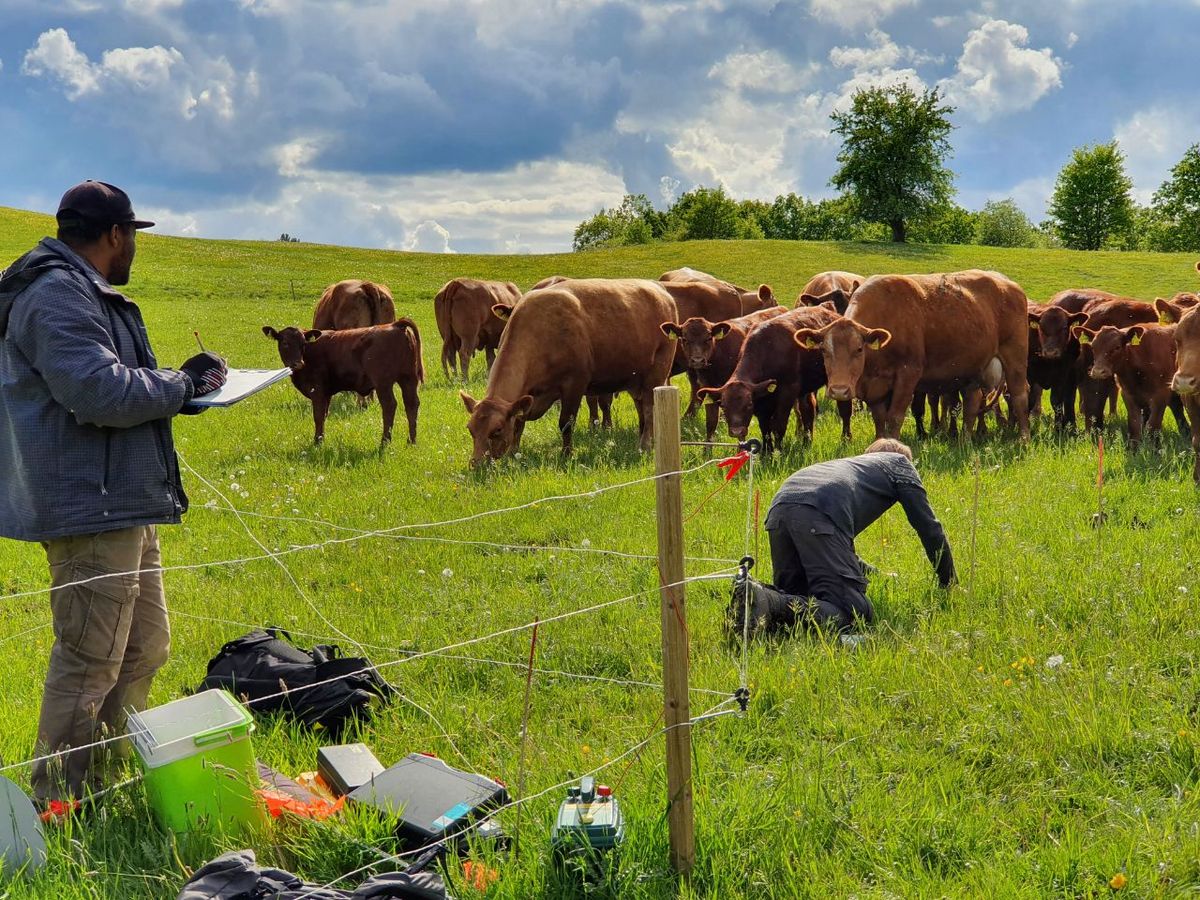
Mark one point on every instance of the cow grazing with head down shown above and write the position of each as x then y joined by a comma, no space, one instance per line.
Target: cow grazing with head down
830,287
750,301
963,330
1142,359
711,351
325,363
773,375
354,304
576,337
463,310
1185,381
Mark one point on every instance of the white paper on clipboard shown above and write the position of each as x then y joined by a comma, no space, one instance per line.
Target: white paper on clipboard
240,384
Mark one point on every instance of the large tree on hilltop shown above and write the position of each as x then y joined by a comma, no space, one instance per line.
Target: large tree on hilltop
1177,204
894,147
1091,206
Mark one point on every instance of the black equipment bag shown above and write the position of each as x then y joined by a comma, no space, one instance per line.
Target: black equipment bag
265,663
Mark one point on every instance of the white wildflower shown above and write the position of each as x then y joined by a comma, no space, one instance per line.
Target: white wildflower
211,504
447,573
1053,662
245,494
585,543
1182,589
420,571
235,486
320,478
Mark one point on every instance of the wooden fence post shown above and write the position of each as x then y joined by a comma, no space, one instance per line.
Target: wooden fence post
676,713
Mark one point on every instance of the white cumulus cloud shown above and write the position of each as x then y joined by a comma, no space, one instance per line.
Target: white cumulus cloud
998,74
765,70
429,237
1153,141
854,13
55,55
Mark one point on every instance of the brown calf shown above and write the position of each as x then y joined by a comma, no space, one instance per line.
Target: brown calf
1119,312
835,287
357,359
711,351
774,375
1142,359
1186,379
463,310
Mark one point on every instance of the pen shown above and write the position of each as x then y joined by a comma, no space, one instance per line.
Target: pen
197,336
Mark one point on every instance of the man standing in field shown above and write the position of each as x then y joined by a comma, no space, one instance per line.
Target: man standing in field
812,523
89,471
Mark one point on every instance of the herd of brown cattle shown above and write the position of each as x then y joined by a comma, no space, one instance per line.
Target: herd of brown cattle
959,340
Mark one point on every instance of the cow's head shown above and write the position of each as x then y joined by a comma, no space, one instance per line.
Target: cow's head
736,399
697,339
1108,345
1187,355
291,342
1053,328
493,425
844,344
839,298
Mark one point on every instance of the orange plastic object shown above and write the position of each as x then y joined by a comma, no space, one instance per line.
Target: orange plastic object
319,809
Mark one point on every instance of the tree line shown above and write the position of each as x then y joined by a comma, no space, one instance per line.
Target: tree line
895,185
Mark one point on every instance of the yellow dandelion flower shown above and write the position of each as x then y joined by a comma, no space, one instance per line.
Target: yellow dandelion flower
1008,682
1183,732
979,668
585,749
1118,881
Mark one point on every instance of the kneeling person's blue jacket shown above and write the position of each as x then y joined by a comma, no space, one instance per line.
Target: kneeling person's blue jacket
85,431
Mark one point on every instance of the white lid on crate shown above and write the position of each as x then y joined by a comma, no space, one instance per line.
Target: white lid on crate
187,726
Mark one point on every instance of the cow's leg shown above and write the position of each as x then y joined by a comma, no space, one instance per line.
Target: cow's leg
1157,410
465,351
1112,398
320,409
694,401
490,353
412,405
918,411
712,415
448,362
606,401
903,388
879,414
567,411
1135,419
972,399
845,409
806,408
518,430
1181,421
387,403
593,411
644,400
1014,364
1035,400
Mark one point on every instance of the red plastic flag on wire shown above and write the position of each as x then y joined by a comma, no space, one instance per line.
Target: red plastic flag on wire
734,464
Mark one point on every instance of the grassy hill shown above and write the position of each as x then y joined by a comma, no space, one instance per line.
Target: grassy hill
1031,733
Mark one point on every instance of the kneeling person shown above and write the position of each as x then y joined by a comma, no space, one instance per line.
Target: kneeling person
813,521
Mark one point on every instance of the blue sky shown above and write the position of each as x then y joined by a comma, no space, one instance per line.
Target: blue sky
497,125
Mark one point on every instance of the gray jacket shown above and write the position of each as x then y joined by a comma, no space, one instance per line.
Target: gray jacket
85,431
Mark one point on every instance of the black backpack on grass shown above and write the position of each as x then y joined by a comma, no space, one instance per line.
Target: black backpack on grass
265,662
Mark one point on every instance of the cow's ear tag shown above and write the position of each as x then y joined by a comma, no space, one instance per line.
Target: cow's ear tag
811,344
1033,326
771,388
1084,337
672,336
1134,340
875,344
721,336
1164,320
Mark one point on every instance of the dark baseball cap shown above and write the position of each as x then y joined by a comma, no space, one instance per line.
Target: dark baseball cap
98,203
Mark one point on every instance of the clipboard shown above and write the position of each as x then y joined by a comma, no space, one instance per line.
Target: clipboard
240,384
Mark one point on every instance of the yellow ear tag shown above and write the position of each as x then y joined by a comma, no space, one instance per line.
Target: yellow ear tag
810,344
672,336
1164,319
875,344
771,388
1084,337
1033,326
721,336
1135,340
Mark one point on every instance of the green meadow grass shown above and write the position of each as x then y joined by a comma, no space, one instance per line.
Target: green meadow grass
1031,733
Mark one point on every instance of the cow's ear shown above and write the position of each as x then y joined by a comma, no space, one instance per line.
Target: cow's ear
1198,267
878,338
1167,313
808,300
854,286
1034,321
1082,334
769,386
721,330
829,305
503,311
468,401
1078,318
765,294
271,332
671,330
520,409
311,335
808,338
713,394
1134,334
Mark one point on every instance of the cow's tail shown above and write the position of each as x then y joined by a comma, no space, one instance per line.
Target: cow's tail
383,308
441,314
414,339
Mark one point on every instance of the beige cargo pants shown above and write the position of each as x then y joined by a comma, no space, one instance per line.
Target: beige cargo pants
111,636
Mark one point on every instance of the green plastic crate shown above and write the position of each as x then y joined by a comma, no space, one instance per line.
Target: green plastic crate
200,771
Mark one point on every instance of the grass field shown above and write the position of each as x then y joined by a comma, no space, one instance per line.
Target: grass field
1032,733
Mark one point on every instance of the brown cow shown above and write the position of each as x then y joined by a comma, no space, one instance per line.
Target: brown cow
1142,359
711,351
1119,312
751,301
1186,380
962,329
548,281
354,304
355,359
773,375
463,309
576,337
835,287
703,300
